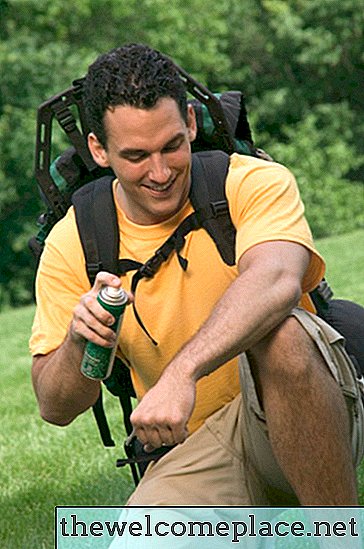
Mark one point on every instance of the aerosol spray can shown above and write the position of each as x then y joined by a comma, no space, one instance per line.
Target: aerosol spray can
97,361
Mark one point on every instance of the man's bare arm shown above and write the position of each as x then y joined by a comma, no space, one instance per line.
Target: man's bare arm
62,391
267,288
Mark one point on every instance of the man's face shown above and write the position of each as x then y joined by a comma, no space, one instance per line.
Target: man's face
149,151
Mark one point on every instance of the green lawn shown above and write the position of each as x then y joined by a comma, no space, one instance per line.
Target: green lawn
44,465
344,257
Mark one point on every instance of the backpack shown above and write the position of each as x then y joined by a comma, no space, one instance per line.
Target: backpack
74,178
222,125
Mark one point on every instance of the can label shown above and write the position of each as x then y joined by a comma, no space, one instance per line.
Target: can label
98,361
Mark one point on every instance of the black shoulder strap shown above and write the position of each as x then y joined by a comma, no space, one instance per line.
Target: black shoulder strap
208,197
97,226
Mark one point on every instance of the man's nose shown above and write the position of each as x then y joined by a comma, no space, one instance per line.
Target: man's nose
159,171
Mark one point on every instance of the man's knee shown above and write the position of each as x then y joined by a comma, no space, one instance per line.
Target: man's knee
286,352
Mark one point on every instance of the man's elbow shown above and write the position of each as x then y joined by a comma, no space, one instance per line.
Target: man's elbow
63,412
55,418
56,405
292,292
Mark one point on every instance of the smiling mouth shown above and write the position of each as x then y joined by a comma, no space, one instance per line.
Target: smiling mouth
160,188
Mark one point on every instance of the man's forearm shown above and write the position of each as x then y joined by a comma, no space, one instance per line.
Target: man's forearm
62,391
248,311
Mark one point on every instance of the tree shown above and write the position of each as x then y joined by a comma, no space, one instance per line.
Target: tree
300,64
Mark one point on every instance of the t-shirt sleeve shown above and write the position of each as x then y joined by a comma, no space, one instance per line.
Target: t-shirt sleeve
61,280
265,205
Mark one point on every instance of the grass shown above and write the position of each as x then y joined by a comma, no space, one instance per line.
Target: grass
44,466
344,257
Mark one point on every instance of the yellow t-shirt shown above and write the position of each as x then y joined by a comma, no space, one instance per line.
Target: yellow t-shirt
264,205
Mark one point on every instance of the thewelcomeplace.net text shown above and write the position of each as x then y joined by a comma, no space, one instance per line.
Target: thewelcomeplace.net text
234,530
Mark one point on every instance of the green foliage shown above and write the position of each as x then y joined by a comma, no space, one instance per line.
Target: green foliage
300,64
321,161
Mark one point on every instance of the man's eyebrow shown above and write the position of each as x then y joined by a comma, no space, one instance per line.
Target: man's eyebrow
129,151
123,153
177,137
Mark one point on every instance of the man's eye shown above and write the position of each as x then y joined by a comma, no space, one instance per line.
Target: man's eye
137,158
172,147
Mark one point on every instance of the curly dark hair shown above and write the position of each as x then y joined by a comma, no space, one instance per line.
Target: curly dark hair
133,74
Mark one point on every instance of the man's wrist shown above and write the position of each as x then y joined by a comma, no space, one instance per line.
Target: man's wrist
185,367
75,338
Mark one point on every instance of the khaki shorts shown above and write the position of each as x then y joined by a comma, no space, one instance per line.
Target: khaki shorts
229,460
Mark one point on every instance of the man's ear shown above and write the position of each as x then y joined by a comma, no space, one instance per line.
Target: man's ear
191,123
97,150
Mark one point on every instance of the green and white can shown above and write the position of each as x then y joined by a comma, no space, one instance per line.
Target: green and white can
98,361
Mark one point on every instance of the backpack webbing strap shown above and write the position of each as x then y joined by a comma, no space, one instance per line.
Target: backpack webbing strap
99,413
68,123
209,171
174,243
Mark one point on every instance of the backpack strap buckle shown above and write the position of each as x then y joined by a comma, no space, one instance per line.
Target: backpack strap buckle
324,290
66,120
212,211
93,269
219,208
151,266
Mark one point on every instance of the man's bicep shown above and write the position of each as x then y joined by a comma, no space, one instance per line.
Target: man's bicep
276,259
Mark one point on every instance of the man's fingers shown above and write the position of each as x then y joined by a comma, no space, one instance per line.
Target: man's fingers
92,312
90,320
157,435
104,339
150,439
104,278
167,436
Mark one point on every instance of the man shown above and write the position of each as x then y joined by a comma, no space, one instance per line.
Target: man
287,435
